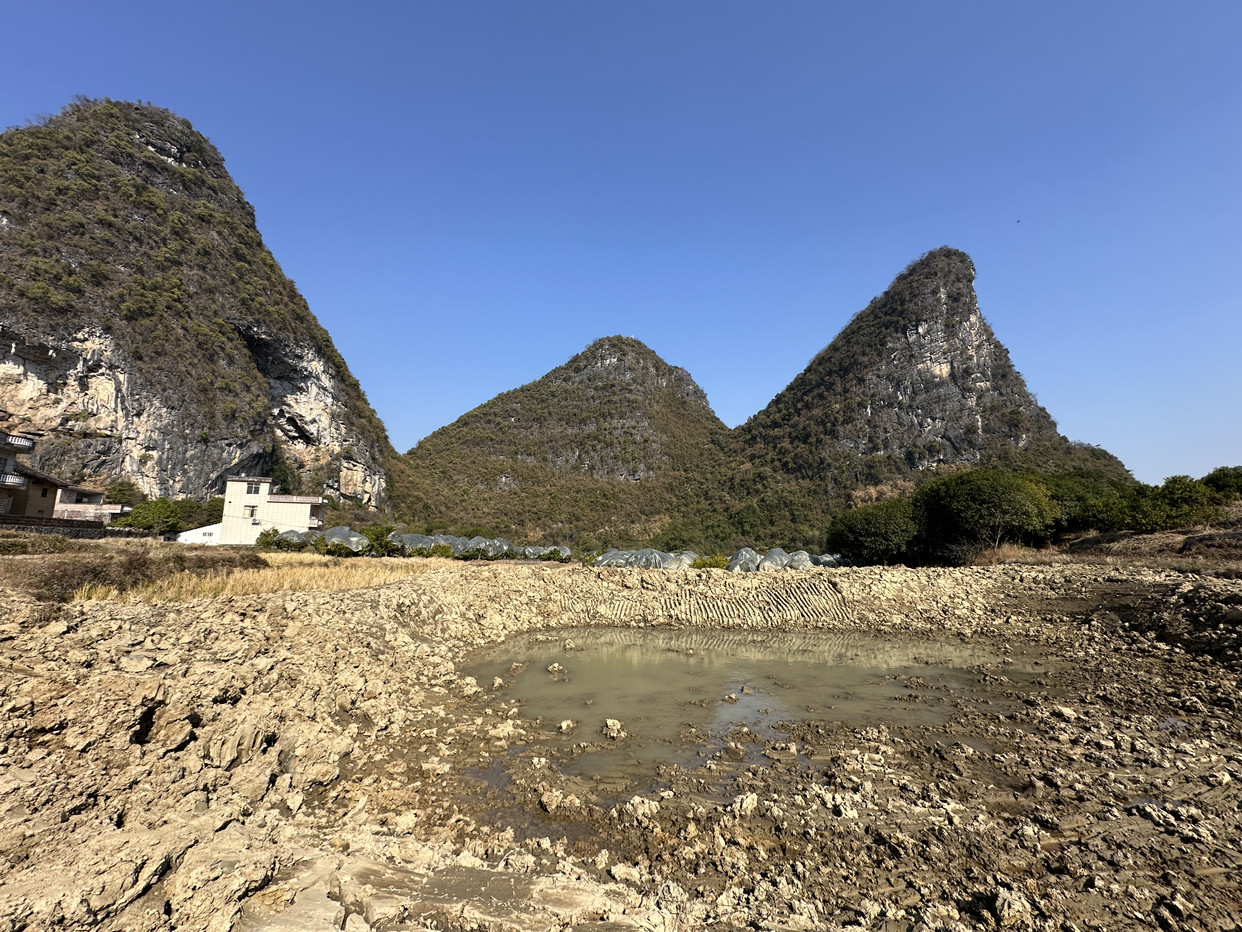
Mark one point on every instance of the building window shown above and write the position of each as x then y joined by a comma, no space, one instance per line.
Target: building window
250,510
43,492
252,488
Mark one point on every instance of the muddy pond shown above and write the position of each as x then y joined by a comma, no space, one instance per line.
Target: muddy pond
604,701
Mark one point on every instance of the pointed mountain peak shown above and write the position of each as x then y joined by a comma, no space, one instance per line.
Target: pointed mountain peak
628,365
916,379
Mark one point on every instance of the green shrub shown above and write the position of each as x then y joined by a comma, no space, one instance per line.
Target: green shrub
267,539
124,492
167,516
1083,501
880,533
1226,481
717,561
159,515
381,546
1180,502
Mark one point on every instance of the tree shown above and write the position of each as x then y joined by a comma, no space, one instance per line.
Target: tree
1226,481
879,533
381,546
1180,502
194,514
158,515
960,515
1084,501
124,492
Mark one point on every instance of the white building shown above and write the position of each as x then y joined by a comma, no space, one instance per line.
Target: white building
250,508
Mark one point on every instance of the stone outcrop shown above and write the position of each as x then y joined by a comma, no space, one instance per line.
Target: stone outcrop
94,420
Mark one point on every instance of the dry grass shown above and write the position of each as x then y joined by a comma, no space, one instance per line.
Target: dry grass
1202,551
50,572
285,572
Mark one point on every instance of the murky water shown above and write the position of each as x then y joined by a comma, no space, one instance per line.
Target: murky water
681,696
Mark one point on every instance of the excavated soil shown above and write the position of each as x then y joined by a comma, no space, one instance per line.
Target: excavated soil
324,760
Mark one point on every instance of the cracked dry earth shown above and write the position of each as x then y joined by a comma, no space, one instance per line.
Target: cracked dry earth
323,760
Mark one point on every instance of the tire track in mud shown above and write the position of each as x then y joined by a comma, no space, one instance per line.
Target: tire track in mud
797,602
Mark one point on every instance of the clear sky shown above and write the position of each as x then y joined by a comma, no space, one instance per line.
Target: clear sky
469,192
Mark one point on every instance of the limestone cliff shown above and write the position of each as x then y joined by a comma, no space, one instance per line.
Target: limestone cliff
146,331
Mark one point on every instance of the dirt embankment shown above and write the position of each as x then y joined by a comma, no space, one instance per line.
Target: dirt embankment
317,760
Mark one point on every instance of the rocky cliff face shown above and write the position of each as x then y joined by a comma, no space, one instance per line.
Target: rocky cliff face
145,330
94,421
916,380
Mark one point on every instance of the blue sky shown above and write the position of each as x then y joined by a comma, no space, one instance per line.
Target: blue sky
468,193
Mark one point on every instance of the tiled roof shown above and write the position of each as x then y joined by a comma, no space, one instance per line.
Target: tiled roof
38,475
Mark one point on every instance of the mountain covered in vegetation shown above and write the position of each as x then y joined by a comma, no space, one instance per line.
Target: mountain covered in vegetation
147,332
615,446
915,380
914,385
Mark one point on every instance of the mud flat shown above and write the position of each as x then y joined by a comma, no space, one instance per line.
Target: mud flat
319,761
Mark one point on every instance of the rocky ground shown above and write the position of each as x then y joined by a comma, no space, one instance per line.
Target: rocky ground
319,761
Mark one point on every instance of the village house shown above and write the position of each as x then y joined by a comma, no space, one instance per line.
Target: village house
26,492
252,507
12,483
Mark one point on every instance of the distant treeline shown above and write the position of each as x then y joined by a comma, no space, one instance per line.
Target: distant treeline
952,519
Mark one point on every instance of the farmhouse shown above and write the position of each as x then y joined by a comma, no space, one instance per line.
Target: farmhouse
12,483
26,492
251,507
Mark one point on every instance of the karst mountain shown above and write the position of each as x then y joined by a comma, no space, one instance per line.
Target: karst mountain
614,446
915,380
147,333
